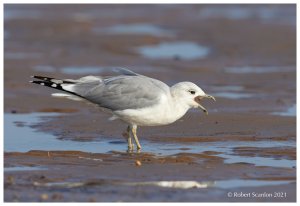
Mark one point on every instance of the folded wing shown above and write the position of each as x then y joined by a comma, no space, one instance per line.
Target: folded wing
126,91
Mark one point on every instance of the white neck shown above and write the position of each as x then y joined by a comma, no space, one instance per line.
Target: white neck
177,108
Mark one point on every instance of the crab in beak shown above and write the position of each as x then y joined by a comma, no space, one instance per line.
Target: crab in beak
198,100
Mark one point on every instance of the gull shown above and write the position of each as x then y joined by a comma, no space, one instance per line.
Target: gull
136,99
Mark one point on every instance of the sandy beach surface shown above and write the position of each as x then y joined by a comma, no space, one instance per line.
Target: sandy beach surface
58,150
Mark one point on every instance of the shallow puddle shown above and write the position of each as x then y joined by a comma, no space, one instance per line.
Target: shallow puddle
234,13
12,14
231,92
225,150
223,184
259,70
17,169
20,137
225,88
174,50
265,14
290,112
44,68
258,161
233,95
234,183
135,29
82,70
95,70
21,55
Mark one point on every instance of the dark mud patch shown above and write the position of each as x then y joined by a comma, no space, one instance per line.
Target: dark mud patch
274,152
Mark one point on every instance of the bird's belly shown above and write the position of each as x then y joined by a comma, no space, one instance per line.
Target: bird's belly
149,116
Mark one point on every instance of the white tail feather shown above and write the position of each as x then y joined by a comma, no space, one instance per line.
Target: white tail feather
67,96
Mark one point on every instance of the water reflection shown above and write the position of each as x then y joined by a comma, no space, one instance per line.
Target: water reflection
20,137
174,50
231,92
82,70
135,29
259,70
189,184
21,55
264,13
290,112
44,68
23,168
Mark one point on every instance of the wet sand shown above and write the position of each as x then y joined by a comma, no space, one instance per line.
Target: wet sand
60,150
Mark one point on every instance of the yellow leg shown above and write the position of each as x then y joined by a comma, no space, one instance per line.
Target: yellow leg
130,145
133,129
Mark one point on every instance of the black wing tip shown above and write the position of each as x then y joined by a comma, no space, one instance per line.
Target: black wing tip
51,84
38,82
35,76
47,84
35,82
42,77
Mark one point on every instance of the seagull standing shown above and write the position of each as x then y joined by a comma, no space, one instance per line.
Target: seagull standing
136,99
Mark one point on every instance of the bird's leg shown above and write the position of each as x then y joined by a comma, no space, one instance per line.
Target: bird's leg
130,145
133,130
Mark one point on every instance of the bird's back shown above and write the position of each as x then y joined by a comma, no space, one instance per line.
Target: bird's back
126,92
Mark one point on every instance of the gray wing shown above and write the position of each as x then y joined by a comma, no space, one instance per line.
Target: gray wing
131,91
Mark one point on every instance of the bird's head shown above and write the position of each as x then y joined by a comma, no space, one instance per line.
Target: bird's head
190,94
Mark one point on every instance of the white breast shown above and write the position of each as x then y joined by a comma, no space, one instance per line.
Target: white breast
166,112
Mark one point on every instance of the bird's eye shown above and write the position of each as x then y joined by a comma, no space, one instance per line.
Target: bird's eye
192,92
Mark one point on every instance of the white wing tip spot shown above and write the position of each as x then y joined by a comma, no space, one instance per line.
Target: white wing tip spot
42,84
53,85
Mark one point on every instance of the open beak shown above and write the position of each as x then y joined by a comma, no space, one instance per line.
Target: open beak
198,100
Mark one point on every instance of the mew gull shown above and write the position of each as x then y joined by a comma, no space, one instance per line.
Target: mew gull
136,99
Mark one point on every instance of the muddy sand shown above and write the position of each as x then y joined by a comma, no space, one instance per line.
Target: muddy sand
65,151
